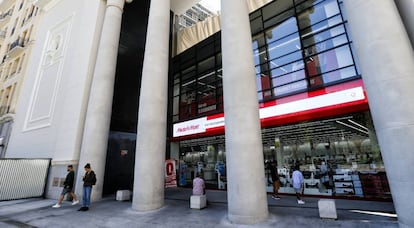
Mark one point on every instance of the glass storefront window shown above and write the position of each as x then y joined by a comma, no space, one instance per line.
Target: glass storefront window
206,65
292,87
338,156
188,73
276,8
326,40
344,73
313,12
287,69
205,156
263,83
329,60
320,27
288,78
285,46
176,97
285,28
286,59
297,46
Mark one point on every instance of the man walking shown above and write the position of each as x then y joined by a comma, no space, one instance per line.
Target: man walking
297,178
67,188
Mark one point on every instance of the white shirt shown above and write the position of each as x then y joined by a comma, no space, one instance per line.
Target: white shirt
297,178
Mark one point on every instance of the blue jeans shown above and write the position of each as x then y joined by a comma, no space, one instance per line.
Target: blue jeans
86,198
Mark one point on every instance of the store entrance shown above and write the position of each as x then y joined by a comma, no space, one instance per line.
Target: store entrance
205,156
339,156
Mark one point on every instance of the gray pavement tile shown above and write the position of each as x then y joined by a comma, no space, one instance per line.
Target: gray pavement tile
176,213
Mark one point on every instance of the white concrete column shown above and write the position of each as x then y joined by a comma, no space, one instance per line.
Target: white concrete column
152,116
98,116
387,64
246,193
406,8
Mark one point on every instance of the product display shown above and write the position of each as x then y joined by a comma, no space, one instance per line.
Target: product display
334,161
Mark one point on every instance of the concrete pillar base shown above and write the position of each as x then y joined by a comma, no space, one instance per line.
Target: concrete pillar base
240,219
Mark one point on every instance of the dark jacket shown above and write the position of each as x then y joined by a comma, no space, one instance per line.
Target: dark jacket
273,173
70,177
89,179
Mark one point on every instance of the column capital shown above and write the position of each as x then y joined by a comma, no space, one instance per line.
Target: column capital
117,3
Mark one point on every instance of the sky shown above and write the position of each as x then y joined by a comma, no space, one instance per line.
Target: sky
213,5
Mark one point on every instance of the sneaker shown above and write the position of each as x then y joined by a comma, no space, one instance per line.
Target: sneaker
276,197
301,202
57,206
75,202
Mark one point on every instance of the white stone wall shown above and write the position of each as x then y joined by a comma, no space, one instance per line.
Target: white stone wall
51,109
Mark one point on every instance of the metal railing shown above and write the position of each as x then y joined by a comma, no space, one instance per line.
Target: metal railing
23,178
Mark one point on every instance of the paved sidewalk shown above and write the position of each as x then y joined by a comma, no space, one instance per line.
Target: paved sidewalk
176,213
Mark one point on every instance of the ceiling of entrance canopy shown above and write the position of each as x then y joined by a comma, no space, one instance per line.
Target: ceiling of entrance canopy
350,127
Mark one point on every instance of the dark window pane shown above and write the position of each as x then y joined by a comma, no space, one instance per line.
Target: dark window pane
218,60
275,8
256,25
279,18
188,105
206,65
208,78
205,51
206,99
258,41
255,14
176,91
176,102
188,73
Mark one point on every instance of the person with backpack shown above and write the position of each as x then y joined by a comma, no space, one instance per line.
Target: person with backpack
89,179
